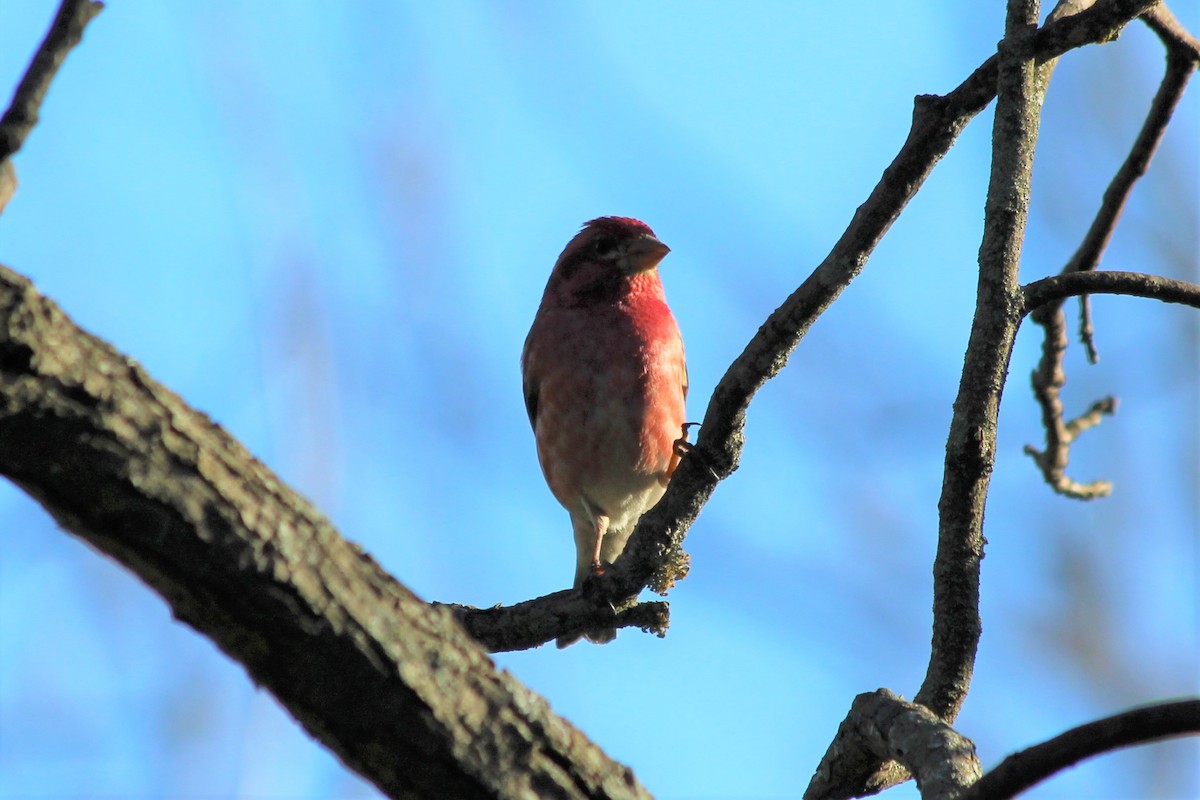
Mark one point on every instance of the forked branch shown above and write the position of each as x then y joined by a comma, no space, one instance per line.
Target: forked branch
1050,376
937,122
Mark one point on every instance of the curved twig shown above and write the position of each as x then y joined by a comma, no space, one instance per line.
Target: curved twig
1057,288
971,447
1050,375
1022,770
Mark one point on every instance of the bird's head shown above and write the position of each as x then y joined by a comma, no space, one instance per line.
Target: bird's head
605,261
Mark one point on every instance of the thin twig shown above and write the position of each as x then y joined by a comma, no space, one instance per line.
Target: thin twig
1179,70
22,114
1022,770
65,32
1087,332
1160,20
1056,288
1050,376
1047,381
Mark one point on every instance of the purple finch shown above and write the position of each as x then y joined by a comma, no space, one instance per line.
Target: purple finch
605,383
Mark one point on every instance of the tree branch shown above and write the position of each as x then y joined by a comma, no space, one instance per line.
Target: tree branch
1180,66
650,556
1160,20
1028,767
971,446
970,449
1047,381
65,32
883,727
526,625
1050,376
1056,288
390,684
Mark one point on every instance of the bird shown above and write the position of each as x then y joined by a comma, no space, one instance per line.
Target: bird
605,382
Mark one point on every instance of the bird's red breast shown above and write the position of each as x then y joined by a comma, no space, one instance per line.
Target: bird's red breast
605,378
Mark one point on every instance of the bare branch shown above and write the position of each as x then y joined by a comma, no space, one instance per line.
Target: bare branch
1029,767
1160,20
1087,332
390,684
65,32
971,447
937,121
1180,66
1183,56
567,613
882,726
22,114
1047,381
1050,376
970,451
1135,284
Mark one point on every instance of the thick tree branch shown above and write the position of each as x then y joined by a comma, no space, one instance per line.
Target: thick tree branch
1022,770
65,32
883,727
390,684
971,446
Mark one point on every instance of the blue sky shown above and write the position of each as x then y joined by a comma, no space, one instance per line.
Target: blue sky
328,226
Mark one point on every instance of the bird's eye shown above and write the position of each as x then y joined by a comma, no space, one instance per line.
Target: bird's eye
605,247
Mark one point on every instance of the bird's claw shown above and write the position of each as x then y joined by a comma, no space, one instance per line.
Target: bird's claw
590,587
682,446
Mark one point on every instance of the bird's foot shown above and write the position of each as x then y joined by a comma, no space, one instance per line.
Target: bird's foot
682,446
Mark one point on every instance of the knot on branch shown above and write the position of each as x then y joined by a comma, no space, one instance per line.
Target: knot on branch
882,740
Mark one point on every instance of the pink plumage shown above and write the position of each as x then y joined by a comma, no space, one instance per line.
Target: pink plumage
605,382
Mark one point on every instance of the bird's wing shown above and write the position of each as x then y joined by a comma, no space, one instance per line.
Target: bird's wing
531,400
529,385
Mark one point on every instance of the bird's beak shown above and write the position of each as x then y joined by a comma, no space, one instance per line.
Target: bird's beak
642,254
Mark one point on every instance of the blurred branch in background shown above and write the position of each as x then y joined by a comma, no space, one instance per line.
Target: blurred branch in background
22,114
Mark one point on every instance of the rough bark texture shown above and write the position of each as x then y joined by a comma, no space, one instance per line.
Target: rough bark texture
395,686
881,727
389,683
